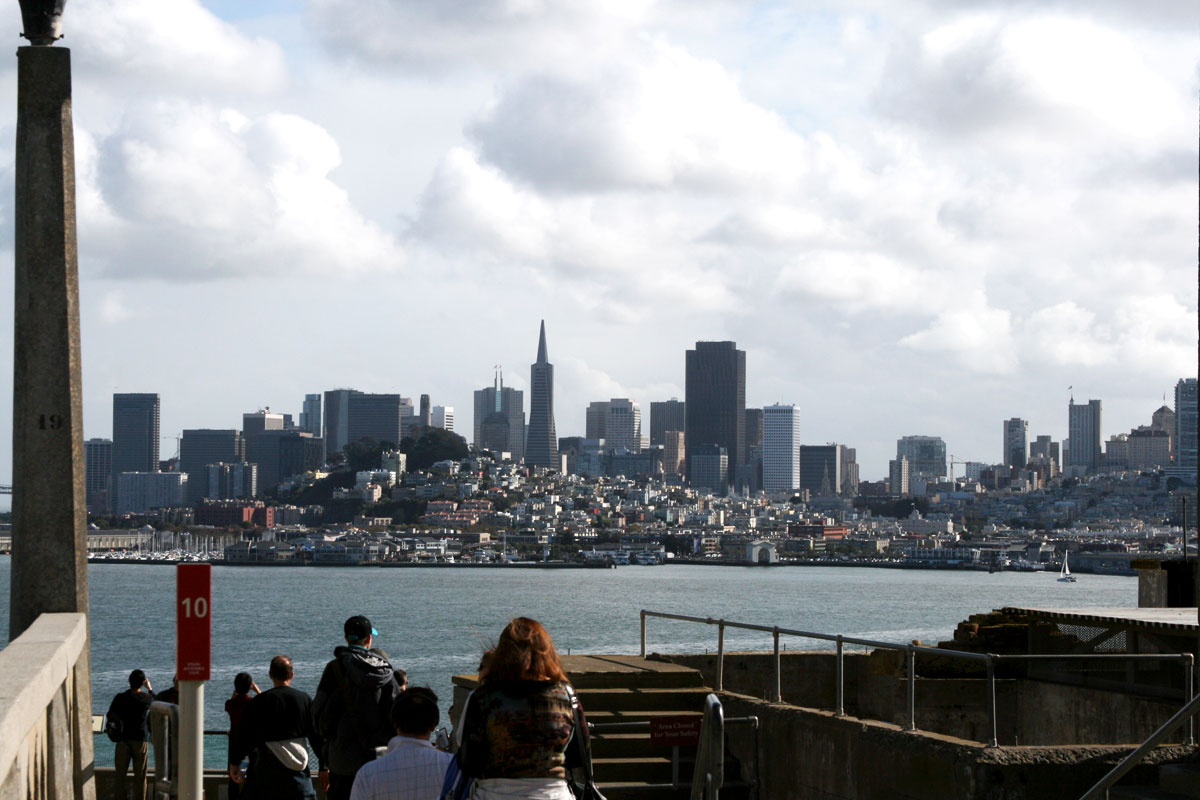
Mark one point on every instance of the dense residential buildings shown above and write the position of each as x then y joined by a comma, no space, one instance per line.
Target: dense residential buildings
926,456
715,378
666,415
541,442
500,419
1185,424
780,448
1083,431
1016,442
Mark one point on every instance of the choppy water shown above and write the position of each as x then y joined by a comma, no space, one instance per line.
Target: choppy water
435,622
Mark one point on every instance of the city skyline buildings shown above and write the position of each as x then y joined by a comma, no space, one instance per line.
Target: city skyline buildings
541,439
715,397
479,212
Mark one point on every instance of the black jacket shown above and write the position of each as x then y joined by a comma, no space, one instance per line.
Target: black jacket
275,715
133,709
353,708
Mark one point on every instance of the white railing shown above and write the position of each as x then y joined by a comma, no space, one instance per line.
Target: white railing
45,742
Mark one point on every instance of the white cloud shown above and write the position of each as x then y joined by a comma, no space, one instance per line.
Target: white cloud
659,118
189,192
175,44
467,34
978,337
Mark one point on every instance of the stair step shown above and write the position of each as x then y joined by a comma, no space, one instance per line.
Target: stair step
653,769
637,790
630,745
635,715
610,671
660,699
1143,793
1184,779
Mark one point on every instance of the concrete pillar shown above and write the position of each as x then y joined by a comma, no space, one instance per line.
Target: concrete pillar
49,541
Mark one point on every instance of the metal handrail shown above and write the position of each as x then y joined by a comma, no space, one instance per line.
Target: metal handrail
910,651
709,773
1100,790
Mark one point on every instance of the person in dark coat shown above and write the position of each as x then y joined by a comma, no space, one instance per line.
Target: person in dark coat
353,706
130,710
274,732
235,707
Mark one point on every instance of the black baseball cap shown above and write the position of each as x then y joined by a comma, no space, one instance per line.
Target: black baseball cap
358,628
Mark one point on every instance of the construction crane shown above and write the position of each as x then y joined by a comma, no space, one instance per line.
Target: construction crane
178,440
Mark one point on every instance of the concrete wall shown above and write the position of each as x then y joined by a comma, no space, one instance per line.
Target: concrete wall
1029,712
813,755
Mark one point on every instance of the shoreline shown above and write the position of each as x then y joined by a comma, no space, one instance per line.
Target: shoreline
573,565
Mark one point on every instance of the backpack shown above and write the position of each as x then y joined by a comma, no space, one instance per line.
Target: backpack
114,728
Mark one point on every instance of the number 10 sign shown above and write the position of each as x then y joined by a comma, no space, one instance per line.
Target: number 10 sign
193,621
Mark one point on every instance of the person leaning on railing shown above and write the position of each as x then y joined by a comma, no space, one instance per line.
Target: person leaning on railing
126,724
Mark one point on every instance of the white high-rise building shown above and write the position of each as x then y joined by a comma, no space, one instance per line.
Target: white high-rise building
781,448
443,417
623,426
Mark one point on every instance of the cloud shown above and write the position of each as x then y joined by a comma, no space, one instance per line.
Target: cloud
188,192
175,44
658,119
978,337
471,34
114,308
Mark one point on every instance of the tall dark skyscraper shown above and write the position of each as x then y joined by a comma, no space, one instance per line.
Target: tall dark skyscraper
1185,423
202,447
135,433
541,445
666,415
1083,428
716,400
500,418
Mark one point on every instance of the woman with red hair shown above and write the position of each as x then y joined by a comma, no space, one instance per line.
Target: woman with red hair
518,723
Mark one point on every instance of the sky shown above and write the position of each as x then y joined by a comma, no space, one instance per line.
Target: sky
915,218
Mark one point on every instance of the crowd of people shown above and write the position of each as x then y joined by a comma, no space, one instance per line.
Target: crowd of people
520,734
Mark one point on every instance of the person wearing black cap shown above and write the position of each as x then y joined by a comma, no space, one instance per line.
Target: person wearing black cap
353,706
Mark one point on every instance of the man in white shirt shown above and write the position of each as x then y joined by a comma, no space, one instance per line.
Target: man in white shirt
412,769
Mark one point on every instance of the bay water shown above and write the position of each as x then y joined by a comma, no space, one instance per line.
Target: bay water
436,622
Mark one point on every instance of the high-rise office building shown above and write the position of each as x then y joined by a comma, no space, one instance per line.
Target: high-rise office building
541,442
1016,442
780,448
754,428
97,472
595,419
500,419
443,417
231,481
139,492
926,456
375,417
337,420
1083,426
849,459
1164,420
1185,423
201,447
426,411
716,402
673,452
310,416
1045,451
282,454
666,415
821,469
135,433
623,426
898,476
709,467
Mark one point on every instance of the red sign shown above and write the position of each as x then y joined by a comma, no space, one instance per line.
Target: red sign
675,731
193,621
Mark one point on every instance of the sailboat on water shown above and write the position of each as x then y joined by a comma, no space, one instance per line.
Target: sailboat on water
1064,574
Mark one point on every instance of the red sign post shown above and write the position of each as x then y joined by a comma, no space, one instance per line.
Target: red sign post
193,621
